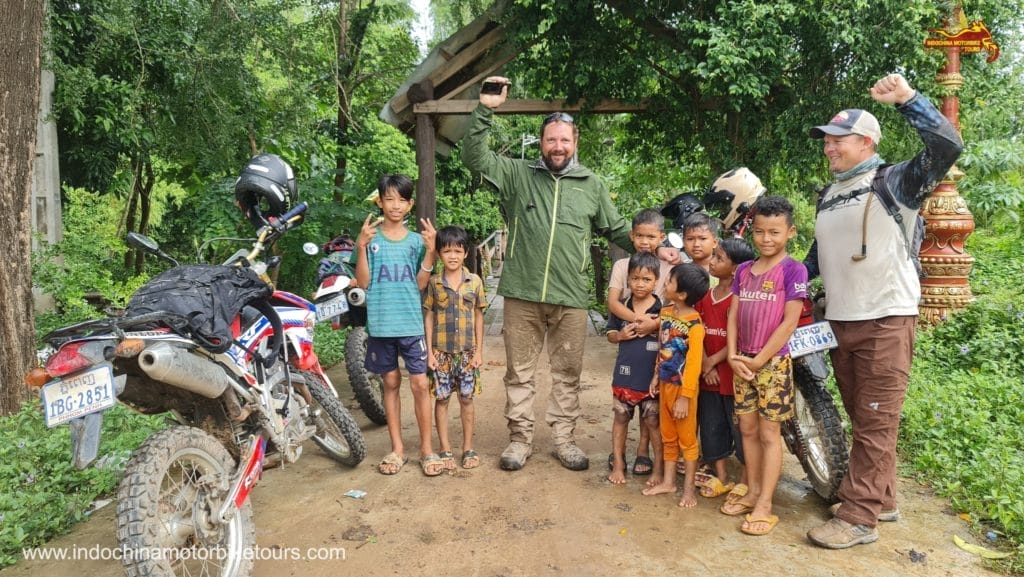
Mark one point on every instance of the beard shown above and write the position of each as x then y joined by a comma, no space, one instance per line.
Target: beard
553,166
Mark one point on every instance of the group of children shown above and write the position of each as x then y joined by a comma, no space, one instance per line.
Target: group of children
693,355
707,363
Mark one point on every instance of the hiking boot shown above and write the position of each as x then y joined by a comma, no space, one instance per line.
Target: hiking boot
885,516
515,455
838,534
571,456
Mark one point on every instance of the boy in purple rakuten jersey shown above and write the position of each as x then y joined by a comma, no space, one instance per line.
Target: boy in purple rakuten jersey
768,294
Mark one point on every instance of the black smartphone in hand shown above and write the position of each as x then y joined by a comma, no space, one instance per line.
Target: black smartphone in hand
492,87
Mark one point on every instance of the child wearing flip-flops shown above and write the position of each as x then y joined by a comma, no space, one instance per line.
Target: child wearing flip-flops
719,431
453,318
764,312
394,265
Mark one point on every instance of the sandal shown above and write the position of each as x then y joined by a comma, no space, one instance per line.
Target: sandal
432,465
735,508
392,463
470,460
737,493
642,466
714,487
748,522
448,460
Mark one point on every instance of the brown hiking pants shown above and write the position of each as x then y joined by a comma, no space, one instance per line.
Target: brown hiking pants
526,324
872,366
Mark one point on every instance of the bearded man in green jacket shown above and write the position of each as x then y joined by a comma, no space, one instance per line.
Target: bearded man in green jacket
552,206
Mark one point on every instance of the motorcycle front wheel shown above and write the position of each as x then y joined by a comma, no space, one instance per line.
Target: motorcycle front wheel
172,488
367,386
815,434
337,433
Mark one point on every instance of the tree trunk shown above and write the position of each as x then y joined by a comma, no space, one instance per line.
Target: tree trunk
352,23
21,27
145,203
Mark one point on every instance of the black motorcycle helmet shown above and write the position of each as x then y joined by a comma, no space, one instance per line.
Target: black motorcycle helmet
265,188
680,207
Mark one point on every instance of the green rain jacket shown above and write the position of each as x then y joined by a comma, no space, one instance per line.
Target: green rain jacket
550,219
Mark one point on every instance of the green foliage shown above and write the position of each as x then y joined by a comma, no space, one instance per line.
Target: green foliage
329,344
740,82
961,424
994,182
41,493
87,262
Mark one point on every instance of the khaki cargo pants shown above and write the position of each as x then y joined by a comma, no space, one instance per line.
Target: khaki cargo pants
526,325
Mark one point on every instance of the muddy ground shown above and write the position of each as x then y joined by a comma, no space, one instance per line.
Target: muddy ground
544,519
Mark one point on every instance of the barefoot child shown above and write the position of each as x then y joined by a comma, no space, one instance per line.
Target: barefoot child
675,379
719,433
394,266
634,365
768,297
647,235
453,317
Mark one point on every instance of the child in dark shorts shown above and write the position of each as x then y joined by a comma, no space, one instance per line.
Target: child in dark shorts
634,365
393,266
719,430
453,315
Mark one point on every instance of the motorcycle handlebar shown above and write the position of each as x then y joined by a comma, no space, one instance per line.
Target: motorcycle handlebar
295,211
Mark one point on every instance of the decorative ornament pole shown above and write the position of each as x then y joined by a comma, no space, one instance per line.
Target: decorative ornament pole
948,221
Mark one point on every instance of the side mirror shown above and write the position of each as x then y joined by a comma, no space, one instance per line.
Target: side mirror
142,242
310,248
148,245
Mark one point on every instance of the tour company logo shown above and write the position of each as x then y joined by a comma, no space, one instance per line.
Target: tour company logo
970,39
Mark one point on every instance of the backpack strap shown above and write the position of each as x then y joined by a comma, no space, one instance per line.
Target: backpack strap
889,202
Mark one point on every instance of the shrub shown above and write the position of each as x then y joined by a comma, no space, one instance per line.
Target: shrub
41,493
961,428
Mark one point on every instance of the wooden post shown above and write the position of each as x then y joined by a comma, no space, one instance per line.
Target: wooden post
426,145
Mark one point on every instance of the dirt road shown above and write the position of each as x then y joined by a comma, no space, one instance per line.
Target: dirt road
542,520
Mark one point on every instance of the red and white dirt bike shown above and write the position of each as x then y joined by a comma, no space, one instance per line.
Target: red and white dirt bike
239,404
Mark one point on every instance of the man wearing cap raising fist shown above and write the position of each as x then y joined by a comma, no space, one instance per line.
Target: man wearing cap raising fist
873,291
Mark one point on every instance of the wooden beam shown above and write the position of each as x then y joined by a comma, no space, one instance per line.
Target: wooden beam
528,107
501,60
460,61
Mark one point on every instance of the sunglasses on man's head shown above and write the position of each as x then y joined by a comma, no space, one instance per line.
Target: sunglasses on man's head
557,117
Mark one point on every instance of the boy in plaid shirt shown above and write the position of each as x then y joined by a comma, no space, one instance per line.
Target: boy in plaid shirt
453,316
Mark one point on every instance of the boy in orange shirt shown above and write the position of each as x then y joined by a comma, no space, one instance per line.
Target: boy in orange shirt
675,380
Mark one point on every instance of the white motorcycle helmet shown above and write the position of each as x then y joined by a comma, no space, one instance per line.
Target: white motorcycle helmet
732,196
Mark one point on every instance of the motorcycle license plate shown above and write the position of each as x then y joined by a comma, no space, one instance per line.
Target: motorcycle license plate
332,308
811,338
79,395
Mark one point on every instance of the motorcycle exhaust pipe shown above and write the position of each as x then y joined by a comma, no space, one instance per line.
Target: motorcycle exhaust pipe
357,297
183,369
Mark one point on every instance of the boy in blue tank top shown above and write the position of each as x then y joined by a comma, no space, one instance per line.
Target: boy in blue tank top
394,266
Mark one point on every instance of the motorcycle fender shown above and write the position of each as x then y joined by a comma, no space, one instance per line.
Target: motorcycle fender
816,363
331,286
251,470
85,439
85,432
